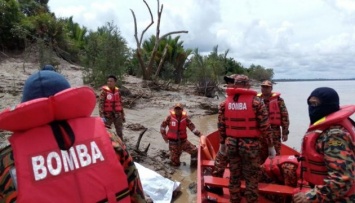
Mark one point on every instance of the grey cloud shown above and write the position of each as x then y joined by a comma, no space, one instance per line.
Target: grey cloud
300,45
201,23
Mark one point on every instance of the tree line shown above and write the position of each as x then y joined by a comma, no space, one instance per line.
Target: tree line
28,26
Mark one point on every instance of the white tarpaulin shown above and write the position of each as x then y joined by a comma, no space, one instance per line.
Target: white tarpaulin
158,188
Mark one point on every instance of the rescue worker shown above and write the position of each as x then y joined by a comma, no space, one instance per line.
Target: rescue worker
282,170
278,117
242,121
328,150
110,105
177,122
221,161
58,152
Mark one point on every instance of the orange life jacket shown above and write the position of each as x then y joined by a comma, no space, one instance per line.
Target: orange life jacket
274,108
113,100
88,171
240,116
177,127
273,166
314,167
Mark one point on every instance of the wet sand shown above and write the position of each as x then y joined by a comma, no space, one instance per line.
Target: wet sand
150,115
148,110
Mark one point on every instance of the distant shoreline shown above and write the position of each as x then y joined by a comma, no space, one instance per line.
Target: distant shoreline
297,80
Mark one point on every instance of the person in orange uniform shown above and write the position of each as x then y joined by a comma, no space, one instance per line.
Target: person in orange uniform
278,117
328,150
242,123
177,122
110,106
284,170
58,152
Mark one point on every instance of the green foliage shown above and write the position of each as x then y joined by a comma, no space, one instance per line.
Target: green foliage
74,39
28,24
33,7
260,73
206,68
132,66
75,32
212,67
10,17
105,53
174,60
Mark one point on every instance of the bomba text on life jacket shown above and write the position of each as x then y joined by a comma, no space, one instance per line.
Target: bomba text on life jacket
237,106
54,163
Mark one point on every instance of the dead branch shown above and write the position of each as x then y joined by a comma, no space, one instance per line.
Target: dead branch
160,11
135,28
167,84
162,60
139,141
175,32
147,69
139,96
146,149
151,22
4,54
139,50
157,39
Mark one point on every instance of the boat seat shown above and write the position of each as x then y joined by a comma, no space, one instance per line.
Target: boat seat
263,187
209,163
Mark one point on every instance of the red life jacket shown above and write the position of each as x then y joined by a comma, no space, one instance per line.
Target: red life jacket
314,167
87,172
177,128
240,116
273,166
113,100
274,109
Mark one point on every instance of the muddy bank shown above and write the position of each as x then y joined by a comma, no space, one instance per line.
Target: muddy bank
145,109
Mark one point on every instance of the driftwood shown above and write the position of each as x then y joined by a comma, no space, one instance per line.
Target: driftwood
3,54
138,143
207,88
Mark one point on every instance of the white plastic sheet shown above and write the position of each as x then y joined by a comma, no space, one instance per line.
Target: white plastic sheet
158,188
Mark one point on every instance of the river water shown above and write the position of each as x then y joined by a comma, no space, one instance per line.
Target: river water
295,95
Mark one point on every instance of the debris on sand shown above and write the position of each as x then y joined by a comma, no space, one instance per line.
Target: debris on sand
135,126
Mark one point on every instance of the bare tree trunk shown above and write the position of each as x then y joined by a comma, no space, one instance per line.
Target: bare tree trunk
162,60
148,69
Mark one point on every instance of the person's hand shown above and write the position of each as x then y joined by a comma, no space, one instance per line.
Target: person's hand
272,152
222,149
300,198
284,137
165,138
123,119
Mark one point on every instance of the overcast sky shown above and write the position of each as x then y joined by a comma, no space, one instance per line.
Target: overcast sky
296,38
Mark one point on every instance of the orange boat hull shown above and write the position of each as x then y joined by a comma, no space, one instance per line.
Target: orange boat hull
203,180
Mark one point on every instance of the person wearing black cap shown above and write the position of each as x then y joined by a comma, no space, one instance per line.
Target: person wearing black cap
328,150
177,122
110,105
242,123
58,152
